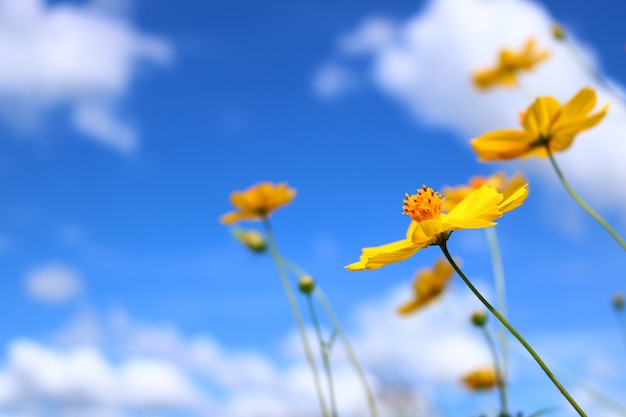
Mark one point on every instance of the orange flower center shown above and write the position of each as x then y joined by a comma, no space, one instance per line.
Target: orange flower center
425,205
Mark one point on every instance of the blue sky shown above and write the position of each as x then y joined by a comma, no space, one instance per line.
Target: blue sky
126,124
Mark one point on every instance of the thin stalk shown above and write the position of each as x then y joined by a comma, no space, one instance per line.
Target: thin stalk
321,298
514,332
325,350
273,249
582,203
499,374
498,276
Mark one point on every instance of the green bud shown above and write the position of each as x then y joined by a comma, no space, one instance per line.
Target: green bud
306,284
479,318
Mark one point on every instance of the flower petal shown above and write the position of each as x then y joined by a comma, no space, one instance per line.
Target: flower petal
540,115
500,145
578,106
379,256
514,200
480,204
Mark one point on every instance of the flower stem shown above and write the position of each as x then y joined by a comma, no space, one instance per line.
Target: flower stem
273,249
582,203
325,351
499,373
498,276
321,298
514,332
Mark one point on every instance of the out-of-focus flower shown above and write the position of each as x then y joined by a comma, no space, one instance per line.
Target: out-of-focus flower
481,379
258,202
428,285
252,239
306,284
429,226
510,63
499,181
546,123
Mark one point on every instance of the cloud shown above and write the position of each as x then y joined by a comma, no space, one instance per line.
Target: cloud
425,63
37,377
53,283
76,57
332,80
114,363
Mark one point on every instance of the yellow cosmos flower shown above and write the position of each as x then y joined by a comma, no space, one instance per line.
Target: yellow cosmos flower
509,64
431,226
499,181
546,123
258,202
428,285
481,379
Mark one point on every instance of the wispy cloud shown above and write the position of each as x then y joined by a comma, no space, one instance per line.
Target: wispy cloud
53,283
76,57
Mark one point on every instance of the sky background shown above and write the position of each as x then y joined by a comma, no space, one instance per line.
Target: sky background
126,124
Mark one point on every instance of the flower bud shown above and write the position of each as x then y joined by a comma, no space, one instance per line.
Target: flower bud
558,32
306,284
618,301
478,318
252,239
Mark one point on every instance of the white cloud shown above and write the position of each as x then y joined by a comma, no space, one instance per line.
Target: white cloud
416,360
37,377
76,56
425,63
332,80
53,283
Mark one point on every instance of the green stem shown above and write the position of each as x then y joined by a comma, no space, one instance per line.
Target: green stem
325,350
498,276
321,298
296,312
499,373
582,203
514,332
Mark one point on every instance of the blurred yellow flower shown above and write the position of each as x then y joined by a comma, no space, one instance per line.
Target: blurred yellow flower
258,202
429,226
499,181
481,379
428,285
509,64
546,123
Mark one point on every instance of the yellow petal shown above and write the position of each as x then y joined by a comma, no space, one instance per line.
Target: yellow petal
504,144
480,204
514,200
540,115
379,256
578,106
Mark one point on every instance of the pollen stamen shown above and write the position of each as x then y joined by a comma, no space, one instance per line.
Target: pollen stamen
425,205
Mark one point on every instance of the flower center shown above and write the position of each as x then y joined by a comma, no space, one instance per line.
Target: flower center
425,205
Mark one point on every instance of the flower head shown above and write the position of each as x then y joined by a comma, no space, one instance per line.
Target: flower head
509,64
481,379
545,124
430,225
258,202
499,181
428,285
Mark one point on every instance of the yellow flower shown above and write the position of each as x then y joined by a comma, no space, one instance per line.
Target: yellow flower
545,123
428,285
481,379
429,226
499,181
509,64
258,202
